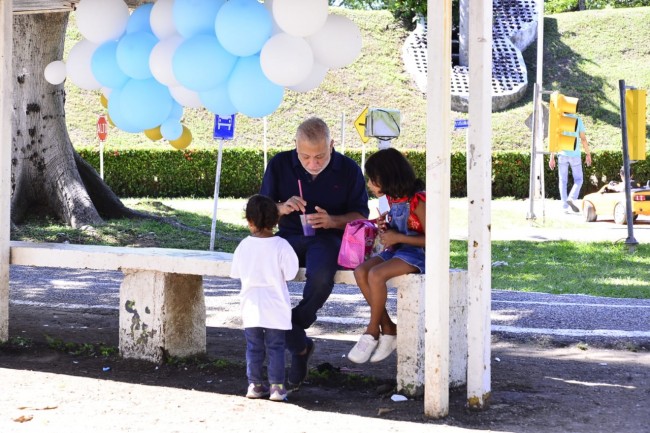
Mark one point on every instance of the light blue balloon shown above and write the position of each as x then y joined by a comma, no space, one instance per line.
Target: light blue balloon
139,19
243,27
118,117
171,129
133,51
177,110
105,68
200,63
146,103
250,91
193,17
218,101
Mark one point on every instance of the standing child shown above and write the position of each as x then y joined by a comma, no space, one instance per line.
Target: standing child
402,234
264,263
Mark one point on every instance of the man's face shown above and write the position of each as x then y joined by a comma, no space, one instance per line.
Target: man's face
314,156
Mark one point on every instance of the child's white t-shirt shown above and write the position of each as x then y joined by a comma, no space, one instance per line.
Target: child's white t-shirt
264,265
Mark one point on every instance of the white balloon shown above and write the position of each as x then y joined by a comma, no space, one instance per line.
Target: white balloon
338,43
160,60
102,20
313,80
300,17
78,65
286,60
162,19
186,97
55,72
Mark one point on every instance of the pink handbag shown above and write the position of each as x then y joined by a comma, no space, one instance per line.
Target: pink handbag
356,246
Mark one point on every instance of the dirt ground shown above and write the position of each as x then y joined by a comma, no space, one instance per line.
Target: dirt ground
537,386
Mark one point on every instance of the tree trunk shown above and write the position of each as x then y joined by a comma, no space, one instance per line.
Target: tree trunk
47,173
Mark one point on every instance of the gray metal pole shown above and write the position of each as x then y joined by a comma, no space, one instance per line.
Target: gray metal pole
213,229
630,241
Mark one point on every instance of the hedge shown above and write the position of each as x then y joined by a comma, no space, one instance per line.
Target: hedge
191,173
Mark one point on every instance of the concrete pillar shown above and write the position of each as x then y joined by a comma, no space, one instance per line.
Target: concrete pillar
161,314
411,354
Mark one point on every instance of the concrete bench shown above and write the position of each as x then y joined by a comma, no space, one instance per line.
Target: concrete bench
162,304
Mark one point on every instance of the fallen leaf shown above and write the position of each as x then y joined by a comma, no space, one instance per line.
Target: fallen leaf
24,418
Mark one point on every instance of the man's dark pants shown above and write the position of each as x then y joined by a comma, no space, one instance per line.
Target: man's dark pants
318,254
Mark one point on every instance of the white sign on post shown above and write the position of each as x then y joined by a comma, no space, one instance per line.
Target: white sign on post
224,129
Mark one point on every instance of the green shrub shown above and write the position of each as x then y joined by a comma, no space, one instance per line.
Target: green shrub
559,6
191,173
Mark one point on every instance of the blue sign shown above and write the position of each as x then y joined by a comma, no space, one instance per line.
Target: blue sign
461,123
224,127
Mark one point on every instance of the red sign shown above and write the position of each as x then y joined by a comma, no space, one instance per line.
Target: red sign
102,128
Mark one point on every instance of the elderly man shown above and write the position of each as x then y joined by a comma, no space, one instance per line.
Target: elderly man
329,188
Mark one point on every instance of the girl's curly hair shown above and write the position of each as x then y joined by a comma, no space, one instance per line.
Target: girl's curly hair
262,212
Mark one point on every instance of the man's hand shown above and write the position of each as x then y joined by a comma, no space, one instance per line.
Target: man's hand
551,162
293,204
588,160
321,219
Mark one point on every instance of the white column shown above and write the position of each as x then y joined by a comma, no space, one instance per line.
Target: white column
479,195
438,172
6,24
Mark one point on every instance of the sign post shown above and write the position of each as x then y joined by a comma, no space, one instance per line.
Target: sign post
102,133
360,126
224,129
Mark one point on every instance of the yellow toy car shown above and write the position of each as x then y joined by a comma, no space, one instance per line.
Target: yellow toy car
610,200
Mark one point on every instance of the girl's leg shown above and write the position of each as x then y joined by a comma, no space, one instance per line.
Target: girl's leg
274,340
361,275
377,278
255,353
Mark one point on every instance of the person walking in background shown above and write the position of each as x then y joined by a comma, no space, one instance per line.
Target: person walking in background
264,263
402,233
328,188
573,159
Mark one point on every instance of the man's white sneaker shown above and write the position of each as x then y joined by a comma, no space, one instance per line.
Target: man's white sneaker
387,344
361,351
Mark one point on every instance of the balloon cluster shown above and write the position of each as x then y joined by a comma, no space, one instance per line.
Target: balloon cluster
234,56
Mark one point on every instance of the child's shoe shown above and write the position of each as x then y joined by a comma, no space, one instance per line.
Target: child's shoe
278,392
387,345
257,390
361,351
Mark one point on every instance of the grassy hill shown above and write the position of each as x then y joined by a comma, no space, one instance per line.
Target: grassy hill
586,54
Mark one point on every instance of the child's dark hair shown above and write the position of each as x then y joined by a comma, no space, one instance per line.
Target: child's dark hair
389,169
262,212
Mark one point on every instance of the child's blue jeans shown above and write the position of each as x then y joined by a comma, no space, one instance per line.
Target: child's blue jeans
259,342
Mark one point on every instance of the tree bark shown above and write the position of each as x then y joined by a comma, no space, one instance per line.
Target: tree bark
47,173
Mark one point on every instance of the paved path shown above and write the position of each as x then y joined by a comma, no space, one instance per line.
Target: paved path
516,314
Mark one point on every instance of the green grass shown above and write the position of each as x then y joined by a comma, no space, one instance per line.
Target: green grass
586,54
561,267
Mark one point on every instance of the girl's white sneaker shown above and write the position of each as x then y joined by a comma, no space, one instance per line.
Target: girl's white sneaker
387,344
361,351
